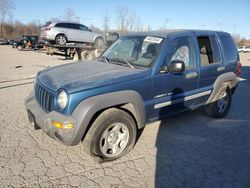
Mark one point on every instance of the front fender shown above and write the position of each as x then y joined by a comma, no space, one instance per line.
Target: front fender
85,111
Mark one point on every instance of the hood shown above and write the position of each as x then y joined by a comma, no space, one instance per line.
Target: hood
82,76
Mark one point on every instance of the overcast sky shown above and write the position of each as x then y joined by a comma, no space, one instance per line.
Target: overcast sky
228,15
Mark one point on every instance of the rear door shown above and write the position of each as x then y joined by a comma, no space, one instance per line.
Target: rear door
85,35
72,32
210,62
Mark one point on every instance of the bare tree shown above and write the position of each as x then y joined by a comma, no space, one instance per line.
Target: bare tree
33,28
139,26
54,19
6,7
131,20
127,20
106,22
237,38
70,15
121,18
95,29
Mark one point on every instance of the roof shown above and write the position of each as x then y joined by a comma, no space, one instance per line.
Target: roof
165,33
55,22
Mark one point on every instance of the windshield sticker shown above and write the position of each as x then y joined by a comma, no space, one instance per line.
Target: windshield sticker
153,39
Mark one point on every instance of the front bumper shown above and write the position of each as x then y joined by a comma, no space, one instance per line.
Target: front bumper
41,119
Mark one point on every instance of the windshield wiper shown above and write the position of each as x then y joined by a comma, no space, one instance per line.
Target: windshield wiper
105,58
129,64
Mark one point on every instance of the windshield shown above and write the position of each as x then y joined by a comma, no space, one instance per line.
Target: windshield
135,50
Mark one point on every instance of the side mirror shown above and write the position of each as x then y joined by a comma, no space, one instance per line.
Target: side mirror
176,67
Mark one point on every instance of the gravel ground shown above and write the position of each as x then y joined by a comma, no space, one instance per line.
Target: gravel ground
187,150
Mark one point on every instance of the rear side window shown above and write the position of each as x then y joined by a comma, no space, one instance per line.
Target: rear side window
70,26
209,50
216,50
75,26
228,47
60,25
65,25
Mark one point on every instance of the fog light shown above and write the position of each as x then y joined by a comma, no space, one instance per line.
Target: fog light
60,125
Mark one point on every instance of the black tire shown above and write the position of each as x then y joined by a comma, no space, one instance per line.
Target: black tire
99,42
61,39
19,47
108,122
220,109
86,55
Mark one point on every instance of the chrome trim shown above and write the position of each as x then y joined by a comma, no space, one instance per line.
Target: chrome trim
168,103
221,68
192,75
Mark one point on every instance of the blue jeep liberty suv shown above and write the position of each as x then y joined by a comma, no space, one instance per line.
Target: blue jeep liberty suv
140,78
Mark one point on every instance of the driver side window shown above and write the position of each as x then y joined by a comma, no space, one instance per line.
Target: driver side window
182,48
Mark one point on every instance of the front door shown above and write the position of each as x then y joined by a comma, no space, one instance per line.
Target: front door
173,93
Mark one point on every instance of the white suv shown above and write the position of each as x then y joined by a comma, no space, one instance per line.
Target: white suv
63,32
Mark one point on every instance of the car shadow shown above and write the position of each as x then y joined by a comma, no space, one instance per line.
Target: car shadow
194,150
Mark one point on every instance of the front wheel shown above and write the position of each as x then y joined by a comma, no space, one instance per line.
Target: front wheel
99,42
20,47
112,134
221,106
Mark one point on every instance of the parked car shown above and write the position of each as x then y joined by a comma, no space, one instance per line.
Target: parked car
28,42
15,43
140,78
11,42
63,32
3,42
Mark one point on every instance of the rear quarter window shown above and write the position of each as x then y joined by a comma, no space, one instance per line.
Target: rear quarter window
229,49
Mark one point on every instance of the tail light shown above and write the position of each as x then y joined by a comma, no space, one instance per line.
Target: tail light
237,71
47,28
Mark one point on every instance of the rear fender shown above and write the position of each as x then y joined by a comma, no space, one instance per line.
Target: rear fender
226,80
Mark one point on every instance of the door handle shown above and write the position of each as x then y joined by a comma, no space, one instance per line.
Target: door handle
221,68
191,75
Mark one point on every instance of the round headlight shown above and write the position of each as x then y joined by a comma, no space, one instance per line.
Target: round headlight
62,99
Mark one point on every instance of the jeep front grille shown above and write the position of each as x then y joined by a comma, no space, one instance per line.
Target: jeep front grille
44,98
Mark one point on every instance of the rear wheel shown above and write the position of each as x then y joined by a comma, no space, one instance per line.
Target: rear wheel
61,39
221,107
112,134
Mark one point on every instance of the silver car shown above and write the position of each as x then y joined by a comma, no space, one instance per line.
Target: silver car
63,32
